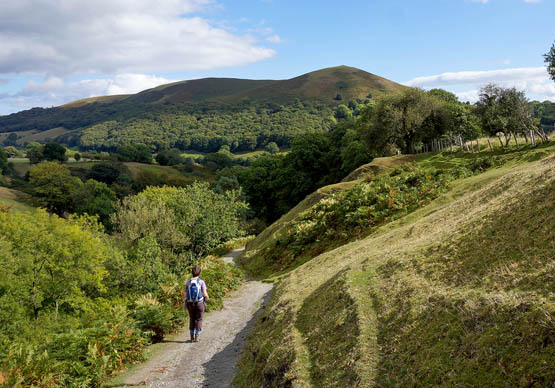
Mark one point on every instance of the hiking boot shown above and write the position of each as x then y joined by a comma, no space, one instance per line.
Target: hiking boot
197,338
192,338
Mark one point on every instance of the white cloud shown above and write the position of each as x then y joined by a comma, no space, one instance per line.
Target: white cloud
54,91
62,37
466,84
274,39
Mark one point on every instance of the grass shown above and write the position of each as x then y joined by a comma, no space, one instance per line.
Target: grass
238,155
137,168
42,136
15,200
459,293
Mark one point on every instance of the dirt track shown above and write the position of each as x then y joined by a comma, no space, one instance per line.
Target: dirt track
210,362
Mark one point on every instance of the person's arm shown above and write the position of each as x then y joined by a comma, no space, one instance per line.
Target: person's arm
204,293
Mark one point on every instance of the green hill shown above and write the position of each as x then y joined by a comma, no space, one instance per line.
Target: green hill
206,113
456,293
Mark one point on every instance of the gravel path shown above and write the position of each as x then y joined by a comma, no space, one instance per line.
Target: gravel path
210,362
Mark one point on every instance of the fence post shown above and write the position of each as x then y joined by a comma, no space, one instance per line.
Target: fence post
490,146
500,141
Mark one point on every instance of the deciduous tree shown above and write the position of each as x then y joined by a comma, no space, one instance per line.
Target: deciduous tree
550,61
191,219
54,186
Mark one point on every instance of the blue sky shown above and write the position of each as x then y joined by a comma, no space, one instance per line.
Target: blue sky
53,52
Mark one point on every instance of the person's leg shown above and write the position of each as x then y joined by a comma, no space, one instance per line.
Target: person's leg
192,318
198,319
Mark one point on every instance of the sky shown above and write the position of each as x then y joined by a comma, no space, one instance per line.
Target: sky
56,51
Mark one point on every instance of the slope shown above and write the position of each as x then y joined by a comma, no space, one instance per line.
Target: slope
169,103
324,86
457,293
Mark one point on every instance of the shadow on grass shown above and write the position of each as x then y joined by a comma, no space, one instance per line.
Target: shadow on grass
328,321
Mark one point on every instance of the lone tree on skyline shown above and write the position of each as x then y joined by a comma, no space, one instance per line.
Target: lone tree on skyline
550,60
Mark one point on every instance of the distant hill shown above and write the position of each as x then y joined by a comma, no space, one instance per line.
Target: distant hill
321,86
206,113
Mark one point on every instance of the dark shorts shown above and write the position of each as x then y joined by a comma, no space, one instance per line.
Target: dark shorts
196,310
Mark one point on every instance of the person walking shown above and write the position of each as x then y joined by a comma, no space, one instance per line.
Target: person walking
195,297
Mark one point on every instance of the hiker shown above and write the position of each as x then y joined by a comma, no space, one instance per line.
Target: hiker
195,295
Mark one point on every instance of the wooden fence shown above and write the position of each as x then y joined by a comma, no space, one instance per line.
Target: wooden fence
456,143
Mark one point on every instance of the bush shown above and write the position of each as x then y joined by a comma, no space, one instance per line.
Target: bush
73,356
230,245
190,220
169,157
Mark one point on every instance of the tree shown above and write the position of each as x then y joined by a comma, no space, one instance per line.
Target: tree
169,157
3,162
272,148
400,121
54,152
54,186
95,198
343,112
49,261
110,173
12,152
11,140
550,61
505,110
221,159
353,152
34,151
275,183
192,219
135,153
261,184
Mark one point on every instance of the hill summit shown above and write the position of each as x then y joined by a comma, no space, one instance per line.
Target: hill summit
329,86
203,114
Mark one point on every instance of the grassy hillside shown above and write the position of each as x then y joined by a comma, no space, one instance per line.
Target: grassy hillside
14,200
203,114
324,85
459,293
206,89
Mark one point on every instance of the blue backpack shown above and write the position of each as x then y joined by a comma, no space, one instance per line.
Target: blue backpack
194,291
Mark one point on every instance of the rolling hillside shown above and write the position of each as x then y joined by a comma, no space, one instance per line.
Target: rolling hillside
204,114
454,294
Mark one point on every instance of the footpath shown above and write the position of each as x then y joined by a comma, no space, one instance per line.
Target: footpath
210,362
